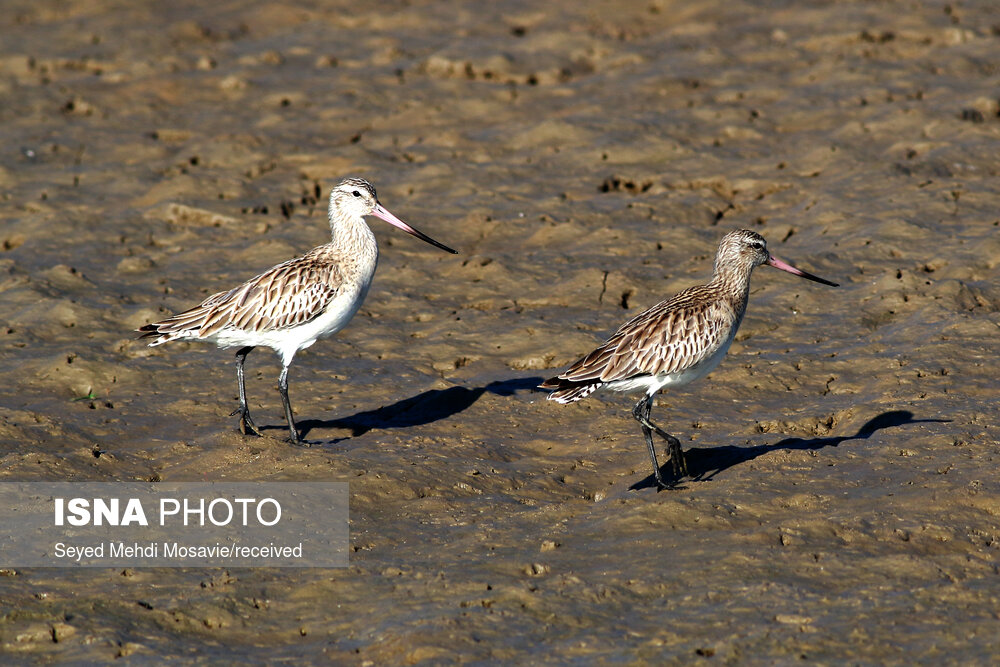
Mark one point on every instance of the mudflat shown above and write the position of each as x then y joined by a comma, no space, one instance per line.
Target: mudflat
585,159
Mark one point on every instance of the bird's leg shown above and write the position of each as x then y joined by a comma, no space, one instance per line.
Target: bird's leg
283,390
246,423
673,444
640,412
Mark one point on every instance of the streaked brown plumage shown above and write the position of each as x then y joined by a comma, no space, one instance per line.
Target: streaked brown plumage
675,342
292,305
284,296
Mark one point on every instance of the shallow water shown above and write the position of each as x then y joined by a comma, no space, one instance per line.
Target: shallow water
585,159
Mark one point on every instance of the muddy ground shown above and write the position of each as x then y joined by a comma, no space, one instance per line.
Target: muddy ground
585,158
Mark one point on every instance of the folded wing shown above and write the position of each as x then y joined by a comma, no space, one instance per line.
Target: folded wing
669,337
285,296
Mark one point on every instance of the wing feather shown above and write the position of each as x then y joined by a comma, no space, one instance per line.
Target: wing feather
672,335
284,296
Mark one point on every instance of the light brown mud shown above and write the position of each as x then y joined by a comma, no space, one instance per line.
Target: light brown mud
585,158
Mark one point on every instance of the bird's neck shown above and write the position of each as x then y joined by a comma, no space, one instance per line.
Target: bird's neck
733,283
351,233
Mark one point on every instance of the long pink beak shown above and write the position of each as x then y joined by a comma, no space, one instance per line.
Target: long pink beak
778,264
380,212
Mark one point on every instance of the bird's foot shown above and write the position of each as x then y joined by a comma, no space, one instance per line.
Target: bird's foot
247,427
293,438
676,453
677,459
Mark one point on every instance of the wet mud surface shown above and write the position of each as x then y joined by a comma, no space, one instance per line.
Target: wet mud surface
585,158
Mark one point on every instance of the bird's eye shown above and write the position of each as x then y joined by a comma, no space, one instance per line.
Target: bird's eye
356,193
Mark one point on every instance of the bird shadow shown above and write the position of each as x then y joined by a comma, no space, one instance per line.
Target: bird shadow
704,463
424,408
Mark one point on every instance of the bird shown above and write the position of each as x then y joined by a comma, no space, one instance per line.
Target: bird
675,342
293,304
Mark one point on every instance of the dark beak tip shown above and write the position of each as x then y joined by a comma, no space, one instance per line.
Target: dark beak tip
824,281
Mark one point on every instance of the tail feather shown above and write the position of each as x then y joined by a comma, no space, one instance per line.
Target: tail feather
149,331
162,334
568,391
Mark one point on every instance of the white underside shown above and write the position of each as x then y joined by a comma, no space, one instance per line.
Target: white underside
650,384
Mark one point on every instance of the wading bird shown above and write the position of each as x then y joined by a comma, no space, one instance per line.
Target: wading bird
292,305
675,342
